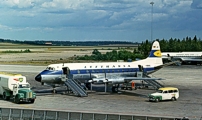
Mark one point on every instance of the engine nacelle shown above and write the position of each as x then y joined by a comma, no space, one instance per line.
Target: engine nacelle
102,81
117,81
98,81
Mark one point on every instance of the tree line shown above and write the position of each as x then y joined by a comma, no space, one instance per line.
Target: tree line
67,43
187,44
143,49
114,55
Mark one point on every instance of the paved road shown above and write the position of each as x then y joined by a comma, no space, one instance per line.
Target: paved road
21,68
186,78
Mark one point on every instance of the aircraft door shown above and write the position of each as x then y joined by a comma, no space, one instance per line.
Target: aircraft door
66,71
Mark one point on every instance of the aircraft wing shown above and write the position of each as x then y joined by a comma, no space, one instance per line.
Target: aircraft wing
128,79
170,63
194,60
121,79
146,78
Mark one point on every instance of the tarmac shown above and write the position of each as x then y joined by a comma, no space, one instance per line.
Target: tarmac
186,77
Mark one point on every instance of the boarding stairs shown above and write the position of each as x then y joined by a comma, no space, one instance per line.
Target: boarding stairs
76,88
154,83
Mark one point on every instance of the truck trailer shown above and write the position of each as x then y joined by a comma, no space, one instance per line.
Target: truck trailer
15,86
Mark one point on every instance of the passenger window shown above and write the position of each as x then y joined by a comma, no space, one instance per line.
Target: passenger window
170,91
165,92
175,91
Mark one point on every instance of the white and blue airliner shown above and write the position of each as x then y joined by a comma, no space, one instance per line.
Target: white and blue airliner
102,72
186,57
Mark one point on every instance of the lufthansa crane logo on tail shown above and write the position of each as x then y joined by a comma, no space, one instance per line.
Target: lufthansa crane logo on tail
157,53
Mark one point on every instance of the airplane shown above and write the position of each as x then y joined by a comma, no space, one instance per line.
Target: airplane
184,57
104,72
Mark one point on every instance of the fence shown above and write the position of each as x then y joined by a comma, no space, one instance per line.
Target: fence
29,114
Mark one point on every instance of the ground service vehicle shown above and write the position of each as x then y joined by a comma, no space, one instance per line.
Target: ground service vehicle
129,86
165,93
16,87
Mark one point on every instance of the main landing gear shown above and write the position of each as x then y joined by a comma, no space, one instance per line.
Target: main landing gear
54,91
115,88
88,85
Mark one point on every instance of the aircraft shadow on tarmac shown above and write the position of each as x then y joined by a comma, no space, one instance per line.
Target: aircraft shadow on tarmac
96,90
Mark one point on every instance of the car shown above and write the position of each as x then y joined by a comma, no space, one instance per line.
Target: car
165,93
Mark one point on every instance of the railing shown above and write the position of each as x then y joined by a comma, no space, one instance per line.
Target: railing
29,114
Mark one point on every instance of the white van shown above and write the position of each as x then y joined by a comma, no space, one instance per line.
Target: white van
165,93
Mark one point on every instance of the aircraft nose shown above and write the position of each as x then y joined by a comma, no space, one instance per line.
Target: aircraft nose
38,78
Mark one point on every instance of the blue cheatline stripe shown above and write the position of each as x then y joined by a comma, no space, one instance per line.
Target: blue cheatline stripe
88,71
152,53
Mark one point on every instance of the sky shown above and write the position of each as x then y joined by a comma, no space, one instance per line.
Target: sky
100,20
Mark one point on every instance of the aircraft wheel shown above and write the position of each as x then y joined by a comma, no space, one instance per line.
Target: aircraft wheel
88,85
54,91
114,89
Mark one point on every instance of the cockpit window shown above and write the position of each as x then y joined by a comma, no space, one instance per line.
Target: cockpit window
50,68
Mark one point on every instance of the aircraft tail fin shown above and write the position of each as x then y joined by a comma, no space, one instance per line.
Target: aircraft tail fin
154,57
155,54
155,50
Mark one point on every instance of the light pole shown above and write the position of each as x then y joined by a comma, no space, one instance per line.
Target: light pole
152,3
